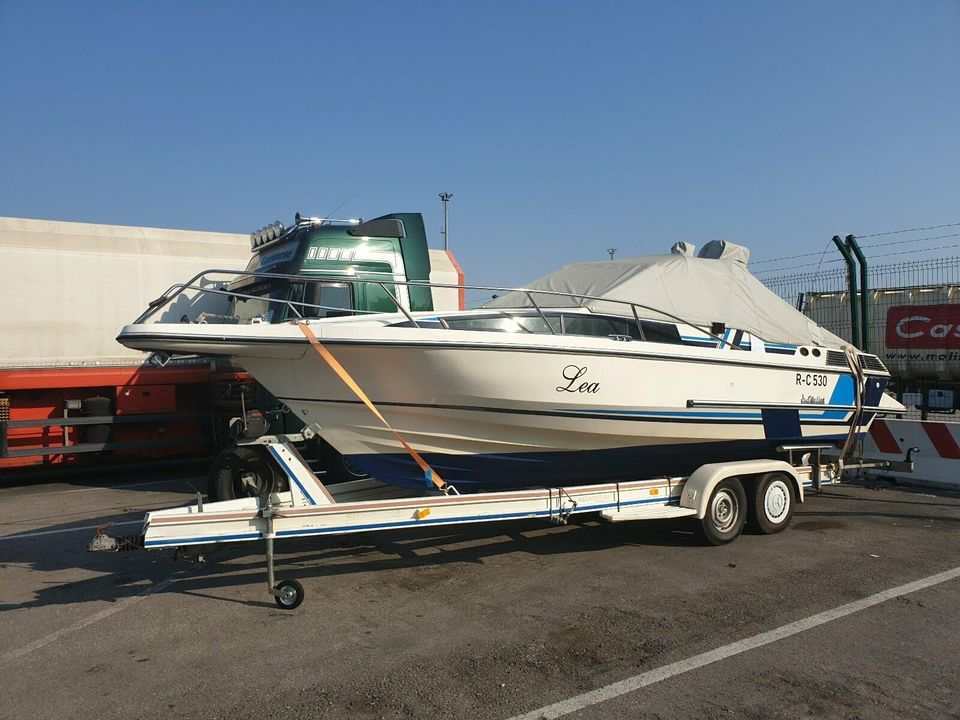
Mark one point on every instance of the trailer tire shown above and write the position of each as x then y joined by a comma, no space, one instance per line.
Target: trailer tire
243,472
772,501
725,515
289,594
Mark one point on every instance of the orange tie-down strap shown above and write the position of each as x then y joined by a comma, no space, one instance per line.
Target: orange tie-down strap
429,473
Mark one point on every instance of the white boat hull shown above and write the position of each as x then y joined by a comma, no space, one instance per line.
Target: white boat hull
496,410
630,419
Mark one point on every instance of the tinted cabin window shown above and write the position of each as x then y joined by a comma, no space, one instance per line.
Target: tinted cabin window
661,332
599,326
500,323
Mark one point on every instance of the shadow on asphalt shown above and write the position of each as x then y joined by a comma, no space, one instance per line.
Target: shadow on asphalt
105,475
123,574
120,575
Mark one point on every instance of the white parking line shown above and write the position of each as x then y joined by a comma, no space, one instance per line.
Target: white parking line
579,702
22,536
121,604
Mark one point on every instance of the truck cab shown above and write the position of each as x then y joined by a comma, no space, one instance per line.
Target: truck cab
309,270
386,249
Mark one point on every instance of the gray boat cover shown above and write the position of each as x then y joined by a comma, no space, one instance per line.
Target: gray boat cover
713,287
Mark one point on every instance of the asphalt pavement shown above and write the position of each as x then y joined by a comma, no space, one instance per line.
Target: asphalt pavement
484,621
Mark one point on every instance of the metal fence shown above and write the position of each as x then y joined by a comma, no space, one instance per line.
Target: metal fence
913,322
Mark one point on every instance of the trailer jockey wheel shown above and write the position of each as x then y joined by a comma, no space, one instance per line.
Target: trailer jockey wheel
288,594
243,472
771,503
726,513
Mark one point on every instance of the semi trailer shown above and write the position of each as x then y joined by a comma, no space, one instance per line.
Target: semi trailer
70,395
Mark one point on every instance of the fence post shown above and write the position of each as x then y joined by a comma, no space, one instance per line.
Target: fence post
851,242
852,283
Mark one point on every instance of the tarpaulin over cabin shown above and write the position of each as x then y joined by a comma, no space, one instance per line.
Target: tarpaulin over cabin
715,286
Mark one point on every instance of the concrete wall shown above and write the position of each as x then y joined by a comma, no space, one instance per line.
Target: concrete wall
936,464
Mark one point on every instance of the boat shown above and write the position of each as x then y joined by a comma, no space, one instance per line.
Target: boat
604,371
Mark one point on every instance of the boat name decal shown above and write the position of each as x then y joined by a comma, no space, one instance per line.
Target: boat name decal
572,373
813,399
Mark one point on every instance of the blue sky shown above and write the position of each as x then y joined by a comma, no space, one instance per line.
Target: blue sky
562,128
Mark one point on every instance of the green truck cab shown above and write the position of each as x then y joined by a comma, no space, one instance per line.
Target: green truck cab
388,248
316,263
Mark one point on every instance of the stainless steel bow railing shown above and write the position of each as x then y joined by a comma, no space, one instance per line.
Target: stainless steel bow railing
222,289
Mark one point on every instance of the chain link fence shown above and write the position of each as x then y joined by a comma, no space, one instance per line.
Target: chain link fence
913,323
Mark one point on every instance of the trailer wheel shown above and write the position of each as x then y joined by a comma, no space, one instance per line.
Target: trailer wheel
289,594
726,513
242,472
772,503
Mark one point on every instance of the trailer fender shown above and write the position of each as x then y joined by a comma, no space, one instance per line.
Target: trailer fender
699,486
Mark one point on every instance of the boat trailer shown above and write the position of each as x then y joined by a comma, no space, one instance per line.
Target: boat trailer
720,496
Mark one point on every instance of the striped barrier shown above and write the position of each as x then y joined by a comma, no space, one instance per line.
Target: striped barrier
938,460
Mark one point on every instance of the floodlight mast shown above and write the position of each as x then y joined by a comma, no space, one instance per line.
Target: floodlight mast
445,198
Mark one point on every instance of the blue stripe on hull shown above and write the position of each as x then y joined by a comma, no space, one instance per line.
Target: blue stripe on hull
496,472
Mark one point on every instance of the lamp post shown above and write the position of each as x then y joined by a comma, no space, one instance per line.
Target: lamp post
445,198
612,251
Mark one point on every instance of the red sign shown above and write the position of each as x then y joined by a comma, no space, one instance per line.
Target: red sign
923,326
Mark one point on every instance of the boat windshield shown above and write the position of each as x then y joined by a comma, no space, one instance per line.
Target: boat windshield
562,324
259,301
274,300
322,299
